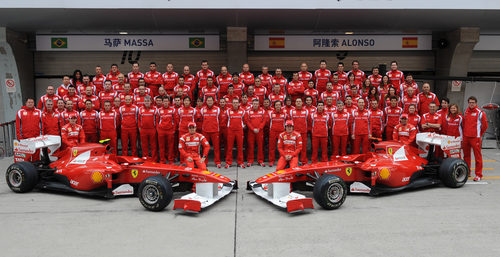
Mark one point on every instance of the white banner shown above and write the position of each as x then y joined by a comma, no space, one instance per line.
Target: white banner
488,43
127,42
343,42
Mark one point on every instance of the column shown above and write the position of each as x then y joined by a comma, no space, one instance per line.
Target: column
236,48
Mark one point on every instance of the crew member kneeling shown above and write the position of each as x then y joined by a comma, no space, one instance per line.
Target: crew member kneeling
289,146
189,147
404,132
72,134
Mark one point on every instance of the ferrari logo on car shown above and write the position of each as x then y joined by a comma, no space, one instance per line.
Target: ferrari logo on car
134,173
75,152
348,171
389,151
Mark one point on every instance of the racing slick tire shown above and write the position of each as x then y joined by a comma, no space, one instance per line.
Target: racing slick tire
155,193
453,172
21,177
330,191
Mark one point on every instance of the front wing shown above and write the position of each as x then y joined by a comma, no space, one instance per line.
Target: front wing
279,194
206,194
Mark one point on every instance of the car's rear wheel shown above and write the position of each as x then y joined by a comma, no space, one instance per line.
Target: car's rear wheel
330,191
21,177
155,193
453,172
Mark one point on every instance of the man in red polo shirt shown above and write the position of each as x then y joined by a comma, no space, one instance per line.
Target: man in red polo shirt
396,77
475,124
322,76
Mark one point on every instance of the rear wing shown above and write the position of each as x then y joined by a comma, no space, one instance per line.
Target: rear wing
25,148
450,145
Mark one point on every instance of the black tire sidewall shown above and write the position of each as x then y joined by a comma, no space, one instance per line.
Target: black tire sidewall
164,189
448,166
29,176
322,187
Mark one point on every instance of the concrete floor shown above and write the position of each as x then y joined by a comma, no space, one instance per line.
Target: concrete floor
430,222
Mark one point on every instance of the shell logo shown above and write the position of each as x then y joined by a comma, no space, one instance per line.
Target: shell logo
97,177
384,173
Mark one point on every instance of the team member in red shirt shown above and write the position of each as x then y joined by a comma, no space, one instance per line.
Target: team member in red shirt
99,79
28,121
359,74
49,96
135,75
340,130
210,90
413,118
147,121
61,106
72,96
170,79
288,106
246,77
295,87
276,95
320,121
238,86
395,76
404,132
376,119
90,97
266,78
189,80
321,76
300,117
230,94
257,118
383,88
51,120
453,122
128,120
119,85
109,122
475,124
189,147
391,117
425,98
431,121
361,128
304,75
181,89
166,131
289,147
445,102
251,94
329,93
236,120
90,122
72,134
113,74
185,115
260,90
310,91
153,78
223,80
409,82
277,118
342,75
127,90
139,99
211,118
68,112
107,94
337,85
62,90
203,74
86,83
278,78
375,78
409,98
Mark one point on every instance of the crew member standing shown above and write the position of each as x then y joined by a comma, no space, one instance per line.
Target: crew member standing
166,131
361,128
189,147
289,146
320,122
257,120
300,118
211,116
236,121
109,123
128,118
147,128
475,124
28,123
277,119
90,122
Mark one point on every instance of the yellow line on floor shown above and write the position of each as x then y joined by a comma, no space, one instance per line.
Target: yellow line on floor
486,178
483,168
489,160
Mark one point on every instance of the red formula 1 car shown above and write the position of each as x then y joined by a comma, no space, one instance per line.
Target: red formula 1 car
88,169
390,167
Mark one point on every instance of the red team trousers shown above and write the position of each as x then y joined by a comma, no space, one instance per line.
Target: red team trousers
360,141
129,135
233,135
166,142
475,144
316,142
340,142
252,139
273,140
148,138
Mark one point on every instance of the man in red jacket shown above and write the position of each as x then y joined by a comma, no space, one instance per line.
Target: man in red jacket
321,76
246,77
135,75
277,118
211,117
320,121
72,134
166,131
391,117
189,147
341,123
236,120
289,146
257,120
147,128
109,122
295,87
475,124
128,120
49,96
153,78
28,122
90,121
404,132
51,120
361,128
376,119
300,118
170,79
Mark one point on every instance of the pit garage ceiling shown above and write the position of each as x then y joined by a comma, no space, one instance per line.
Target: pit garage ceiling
193,20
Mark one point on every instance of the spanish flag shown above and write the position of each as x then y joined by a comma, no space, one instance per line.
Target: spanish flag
276,42
410,42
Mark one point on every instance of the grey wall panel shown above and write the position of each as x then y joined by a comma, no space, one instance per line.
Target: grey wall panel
485,61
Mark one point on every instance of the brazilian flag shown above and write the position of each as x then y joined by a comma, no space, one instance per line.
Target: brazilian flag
196,42
59,42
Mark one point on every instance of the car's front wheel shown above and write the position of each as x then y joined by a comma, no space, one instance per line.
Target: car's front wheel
21,177
330,191
454,172
155,193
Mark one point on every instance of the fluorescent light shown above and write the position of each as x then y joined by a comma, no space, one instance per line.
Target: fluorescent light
123,32
349,33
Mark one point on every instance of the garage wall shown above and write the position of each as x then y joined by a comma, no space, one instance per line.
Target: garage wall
485,61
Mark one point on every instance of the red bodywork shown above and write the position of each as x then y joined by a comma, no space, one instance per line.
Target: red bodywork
101,169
